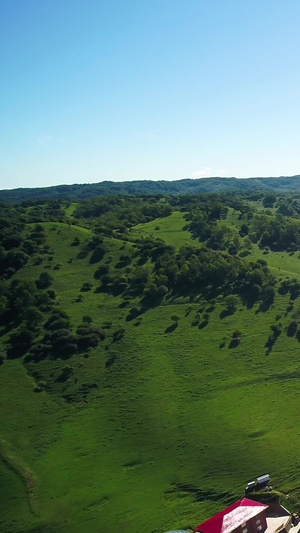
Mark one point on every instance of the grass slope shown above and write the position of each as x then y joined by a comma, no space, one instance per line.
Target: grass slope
176,421
169,229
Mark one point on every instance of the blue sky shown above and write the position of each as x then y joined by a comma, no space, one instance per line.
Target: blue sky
95,90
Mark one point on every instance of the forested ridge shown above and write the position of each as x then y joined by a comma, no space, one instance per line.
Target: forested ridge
184,186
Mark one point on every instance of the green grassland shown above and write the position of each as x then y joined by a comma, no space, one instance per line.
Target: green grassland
160,428
169,229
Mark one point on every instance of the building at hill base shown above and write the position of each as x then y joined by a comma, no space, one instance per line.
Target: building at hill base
248,516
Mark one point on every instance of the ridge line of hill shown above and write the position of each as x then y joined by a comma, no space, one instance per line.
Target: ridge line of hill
184,186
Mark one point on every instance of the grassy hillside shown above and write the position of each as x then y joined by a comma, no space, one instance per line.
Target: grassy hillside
170,229
180,403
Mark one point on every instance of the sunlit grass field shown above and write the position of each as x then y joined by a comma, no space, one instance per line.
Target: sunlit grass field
169,229
174,426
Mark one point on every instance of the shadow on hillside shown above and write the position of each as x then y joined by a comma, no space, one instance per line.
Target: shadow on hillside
203,324
134,313
124,304
116,290
16,351
123,263
234,342
227,312
249,298
264,307
171,328
109,362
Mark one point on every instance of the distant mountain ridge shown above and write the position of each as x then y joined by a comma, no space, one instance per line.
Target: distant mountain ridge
184,186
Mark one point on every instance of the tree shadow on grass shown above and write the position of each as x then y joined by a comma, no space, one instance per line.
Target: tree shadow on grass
264,307
124,304
135,312
171,328
203,324
234,342
249,298
226,312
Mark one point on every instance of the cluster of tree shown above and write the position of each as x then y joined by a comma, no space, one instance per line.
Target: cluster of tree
151,269
277,232
12,253
45,211
122,212
291,286
57,340
115,215
94,245
23,306
204,221
286,204
17,240
160,271
277,229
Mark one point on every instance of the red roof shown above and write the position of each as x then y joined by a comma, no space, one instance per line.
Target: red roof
232,517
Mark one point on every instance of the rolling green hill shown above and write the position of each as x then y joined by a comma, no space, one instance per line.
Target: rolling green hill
149,370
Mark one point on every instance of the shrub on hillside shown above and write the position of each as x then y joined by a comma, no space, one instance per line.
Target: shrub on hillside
30,247
88,337
76,242
33,315
87,286
38,352
84,342
51,293
44,281
133,313
118,334
57,323
101,271
67,371
97,255
20,342
87,318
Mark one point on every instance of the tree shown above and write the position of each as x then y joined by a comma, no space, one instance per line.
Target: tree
118,334
87,286
20,342
97,254
15,259
231,302
269,200
268,294
34,316
244,230
44,281
87,319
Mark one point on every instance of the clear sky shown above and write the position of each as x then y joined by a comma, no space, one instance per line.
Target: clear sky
94,90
